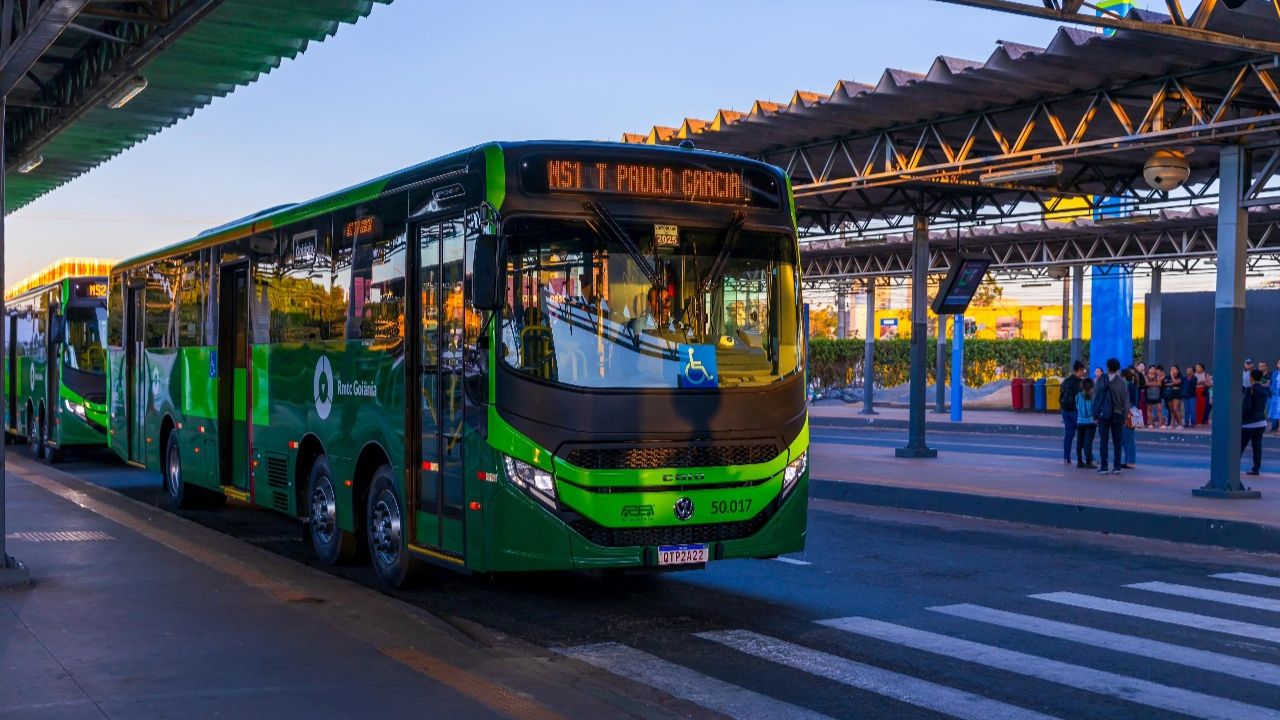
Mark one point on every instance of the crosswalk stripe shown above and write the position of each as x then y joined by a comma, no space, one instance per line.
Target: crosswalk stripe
1076,676
1173,617
1218,596
704,690
1166,652
897,686
1251,578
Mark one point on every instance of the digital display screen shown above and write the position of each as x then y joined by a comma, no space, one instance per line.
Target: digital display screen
652,179
362,227
957,290
90,289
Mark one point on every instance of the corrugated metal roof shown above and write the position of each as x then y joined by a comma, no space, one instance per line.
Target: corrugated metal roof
1073,64
232,46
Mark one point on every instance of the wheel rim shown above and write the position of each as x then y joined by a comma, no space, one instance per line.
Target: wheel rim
384,526
324,511
173,471
34,435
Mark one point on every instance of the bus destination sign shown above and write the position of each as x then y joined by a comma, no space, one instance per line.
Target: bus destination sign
684,182
90,289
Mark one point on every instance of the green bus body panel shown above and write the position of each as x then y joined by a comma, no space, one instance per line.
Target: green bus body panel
502,528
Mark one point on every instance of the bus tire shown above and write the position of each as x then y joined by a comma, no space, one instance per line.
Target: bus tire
331,543
384,522
53,455
178,494
35,433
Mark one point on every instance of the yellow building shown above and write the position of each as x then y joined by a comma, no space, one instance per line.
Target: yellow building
1005,321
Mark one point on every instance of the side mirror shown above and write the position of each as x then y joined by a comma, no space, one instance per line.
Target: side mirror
489,273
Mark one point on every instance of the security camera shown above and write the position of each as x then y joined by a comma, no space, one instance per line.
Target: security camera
1165,170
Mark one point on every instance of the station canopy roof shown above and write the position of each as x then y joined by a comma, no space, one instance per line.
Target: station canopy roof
188,51
1094,105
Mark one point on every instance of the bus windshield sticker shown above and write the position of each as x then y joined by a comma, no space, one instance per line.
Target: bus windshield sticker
666,236
698,366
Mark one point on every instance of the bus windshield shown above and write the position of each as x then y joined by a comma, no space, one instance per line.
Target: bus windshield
604,304
85,348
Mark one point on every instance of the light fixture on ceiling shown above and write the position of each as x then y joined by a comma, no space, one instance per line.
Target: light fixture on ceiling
1034,172
30,164
126,92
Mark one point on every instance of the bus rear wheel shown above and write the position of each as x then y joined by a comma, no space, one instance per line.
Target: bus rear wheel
384,523
35,434
177,494
332,545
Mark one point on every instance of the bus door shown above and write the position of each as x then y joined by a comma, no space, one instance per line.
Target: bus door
11,372
134,366
233,375
53,368
439,389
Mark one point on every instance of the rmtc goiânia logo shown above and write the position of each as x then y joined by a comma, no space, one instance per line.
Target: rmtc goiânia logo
322,388
326,386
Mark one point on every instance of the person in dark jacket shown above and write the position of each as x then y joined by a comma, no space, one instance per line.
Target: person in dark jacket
1067,400
1254,418
1111,412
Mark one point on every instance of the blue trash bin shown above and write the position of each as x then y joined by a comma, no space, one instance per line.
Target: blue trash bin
1040,398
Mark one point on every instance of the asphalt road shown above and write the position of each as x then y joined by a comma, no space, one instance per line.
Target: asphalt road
888,614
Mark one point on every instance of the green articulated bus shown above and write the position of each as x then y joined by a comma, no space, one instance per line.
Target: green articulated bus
55,362
522,356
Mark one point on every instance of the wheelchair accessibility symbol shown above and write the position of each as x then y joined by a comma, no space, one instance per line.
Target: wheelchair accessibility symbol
699,366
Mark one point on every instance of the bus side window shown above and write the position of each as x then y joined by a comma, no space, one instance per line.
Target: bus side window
376,310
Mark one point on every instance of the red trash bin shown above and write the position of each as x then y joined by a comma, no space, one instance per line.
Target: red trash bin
1016,387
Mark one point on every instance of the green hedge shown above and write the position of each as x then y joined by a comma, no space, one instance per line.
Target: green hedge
839,362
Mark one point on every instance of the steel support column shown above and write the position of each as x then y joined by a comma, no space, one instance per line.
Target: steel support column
957,368
12,572
1228,330
869,352
842,312
1077,313
940,368
916,447
1155,314
1066,308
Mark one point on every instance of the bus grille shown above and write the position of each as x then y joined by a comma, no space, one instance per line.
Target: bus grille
672,535
653,458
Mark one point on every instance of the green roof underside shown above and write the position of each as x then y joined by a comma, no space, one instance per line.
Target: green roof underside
231,47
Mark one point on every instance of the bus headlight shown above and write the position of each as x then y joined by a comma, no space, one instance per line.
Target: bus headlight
534,481
74,407
793,472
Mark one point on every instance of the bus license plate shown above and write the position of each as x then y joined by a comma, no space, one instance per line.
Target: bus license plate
682,554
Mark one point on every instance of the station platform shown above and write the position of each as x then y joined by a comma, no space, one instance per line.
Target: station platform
134,612
1010,468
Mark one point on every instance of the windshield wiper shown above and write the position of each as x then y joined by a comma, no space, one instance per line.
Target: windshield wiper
731,233
607,224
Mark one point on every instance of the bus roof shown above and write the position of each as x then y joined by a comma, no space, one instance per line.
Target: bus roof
57,271
281,215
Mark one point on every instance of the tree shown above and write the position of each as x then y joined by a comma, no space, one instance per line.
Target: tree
822,323
988,294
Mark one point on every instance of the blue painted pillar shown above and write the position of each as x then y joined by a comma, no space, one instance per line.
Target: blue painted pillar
1112,321
957,368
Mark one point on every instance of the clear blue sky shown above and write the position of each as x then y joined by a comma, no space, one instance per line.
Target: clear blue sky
417,79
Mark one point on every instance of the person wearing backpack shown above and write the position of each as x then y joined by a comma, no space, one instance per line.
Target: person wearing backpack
1067,403
1110,409
1086,425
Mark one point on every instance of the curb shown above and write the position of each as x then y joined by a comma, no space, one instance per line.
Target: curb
993,428
1232,534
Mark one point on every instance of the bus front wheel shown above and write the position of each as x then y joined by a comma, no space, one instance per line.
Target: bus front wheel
385,525
332,545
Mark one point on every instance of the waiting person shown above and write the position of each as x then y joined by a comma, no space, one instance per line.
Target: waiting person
1067,402
1206,381
1155,406
1253,418
1266,373
1141,377
1246,379
1097,375
1173,396
1273,404
1086,425
1128,439
1188,392
1111,408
